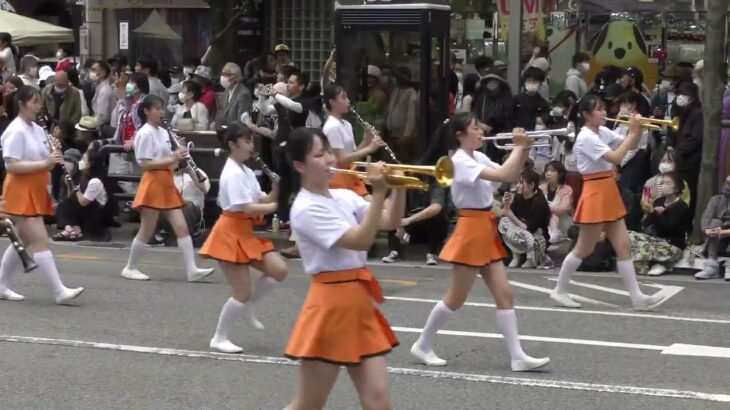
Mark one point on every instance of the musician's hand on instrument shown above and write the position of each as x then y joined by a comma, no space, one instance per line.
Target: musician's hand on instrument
54,159
376,143
376,174
180,154
520,138
128,145
635,122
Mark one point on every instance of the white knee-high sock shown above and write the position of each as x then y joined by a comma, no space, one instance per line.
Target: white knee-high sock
436,320
570,265
9,266
263,285
232,309
628,274
136,252
47,265
185,244
507,325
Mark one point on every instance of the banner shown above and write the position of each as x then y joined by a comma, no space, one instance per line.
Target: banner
533,17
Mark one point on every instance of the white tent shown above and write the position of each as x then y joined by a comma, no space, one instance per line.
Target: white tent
27,31
156,28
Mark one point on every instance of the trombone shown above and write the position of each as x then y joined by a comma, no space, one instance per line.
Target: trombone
442,172
650,123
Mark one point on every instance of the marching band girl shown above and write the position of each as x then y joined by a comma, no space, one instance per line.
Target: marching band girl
342,140
157,192
338,324
600,208
475,246
28,159
232,242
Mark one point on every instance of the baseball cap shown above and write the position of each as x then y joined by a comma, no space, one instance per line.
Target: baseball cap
204,72
281,47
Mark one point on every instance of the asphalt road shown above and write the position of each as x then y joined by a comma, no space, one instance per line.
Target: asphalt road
144,345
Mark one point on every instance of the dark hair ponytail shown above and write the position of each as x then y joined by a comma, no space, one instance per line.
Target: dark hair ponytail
228,132
589,103
300,144
148,102
331,92
24,94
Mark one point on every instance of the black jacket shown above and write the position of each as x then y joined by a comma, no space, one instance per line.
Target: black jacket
687,142
672,224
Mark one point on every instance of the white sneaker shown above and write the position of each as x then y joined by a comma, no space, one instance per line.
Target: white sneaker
555,237
224,346
393,256
529,264
429,359
134,274
431,259
515,262
68,295
8,294
250,316
727,270
657,270
564,300
711,270
529,363
200,274
650,302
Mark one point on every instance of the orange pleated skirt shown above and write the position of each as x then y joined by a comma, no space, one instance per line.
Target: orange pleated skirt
232,240
345,181
157,190
339,323
27,194
475,240
600,200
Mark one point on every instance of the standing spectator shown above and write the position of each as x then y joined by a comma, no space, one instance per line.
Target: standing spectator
376,96
283,56
716,225
73,78
8,55
401,117
723,166
559,196
104,99
635,165
329,71
29,71
132,91
177,77
483,65
237,96
632,80
61,100
697,75
470,85
204,77
493,106
530,105
191,114
64,61
575,80
148,66
687,142
524,225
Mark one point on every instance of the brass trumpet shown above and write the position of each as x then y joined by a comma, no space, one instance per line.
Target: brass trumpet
395,181
442,172
650,123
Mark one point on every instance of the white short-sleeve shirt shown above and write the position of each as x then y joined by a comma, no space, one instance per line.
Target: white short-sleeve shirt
95,191
591,147
238,187
151,142
339,134
468,190
24,142
319,222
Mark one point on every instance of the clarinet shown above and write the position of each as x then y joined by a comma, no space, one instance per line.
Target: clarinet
175,143
371,129
28,262
273,176
71,186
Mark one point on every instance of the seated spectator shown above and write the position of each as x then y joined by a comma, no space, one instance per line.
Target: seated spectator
524,225
665,229
427,222
560,199
191,114
88,212
716,225
193,194
652,186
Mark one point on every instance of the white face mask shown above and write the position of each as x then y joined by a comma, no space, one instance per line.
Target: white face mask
625,110
175,81
59,55
532,87
492,85
666,190
93,76
665,167
683,101
584,67
83,165
182,96
460,76
557,111
225,82
665,84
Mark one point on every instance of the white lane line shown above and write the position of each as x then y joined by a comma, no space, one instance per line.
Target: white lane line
576,311
548,291
676,349
586,342
483,378
593,286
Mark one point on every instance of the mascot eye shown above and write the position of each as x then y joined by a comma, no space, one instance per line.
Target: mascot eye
629,45
610,45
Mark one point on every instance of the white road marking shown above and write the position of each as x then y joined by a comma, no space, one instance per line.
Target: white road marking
482,378
676,349
670,291
547,291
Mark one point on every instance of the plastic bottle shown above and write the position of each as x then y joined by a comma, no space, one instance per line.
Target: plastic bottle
275,224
